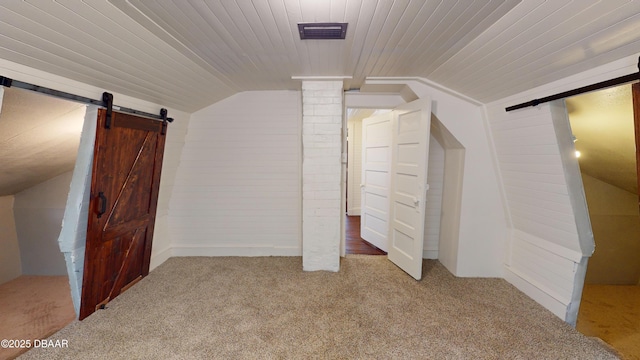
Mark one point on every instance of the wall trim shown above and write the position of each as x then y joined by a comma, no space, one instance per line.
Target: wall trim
374,80
536,291
547,245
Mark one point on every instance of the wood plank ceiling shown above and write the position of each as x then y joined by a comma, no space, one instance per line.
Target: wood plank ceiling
188,54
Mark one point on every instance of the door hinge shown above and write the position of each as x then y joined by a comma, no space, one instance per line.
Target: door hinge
107,99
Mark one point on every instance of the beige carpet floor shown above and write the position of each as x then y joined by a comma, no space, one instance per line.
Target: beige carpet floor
612,313
33,307
267,308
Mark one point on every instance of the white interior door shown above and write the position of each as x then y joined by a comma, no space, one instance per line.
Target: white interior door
410,134
376,157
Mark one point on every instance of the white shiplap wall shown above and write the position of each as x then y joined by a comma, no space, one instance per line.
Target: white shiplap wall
435,179
550,237
544,245
237,189
173,146
533,176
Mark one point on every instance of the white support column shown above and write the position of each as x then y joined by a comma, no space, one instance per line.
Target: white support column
321,174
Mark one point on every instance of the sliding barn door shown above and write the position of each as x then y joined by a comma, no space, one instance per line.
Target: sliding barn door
124,192
635,89
374,199
410,132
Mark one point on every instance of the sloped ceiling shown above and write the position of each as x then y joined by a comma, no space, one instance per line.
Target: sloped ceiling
602,123
188,54
39,137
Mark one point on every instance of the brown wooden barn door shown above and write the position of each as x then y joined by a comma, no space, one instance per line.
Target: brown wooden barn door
635,90
124,193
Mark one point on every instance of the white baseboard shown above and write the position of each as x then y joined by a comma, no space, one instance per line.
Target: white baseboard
159,258
536,293
208,250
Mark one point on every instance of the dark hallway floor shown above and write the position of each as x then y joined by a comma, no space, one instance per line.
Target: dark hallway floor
354,243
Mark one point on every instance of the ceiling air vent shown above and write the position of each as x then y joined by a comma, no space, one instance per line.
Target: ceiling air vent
322,31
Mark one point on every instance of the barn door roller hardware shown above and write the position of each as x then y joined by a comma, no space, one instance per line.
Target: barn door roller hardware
163,114
585,89
7,82
107,99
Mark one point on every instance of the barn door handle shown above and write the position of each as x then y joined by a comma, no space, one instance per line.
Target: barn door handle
103,204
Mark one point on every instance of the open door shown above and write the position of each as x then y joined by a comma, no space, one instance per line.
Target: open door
410,130
376,161
124,193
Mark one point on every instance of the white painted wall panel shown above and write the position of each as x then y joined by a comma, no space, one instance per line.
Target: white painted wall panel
174,144
543,266
38,214
616,229
541,273
530,176
73,235
237,188
433,208
539,203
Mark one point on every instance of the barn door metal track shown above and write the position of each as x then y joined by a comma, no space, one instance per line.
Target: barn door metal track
5,81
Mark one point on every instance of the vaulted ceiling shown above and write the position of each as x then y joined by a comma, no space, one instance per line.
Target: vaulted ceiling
188,54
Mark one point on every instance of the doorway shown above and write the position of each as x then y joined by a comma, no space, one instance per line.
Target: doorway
602,124
39,138
354,243
444,197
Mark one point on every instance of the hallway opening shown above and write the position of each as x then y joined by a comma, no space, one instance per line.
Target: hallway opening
602,124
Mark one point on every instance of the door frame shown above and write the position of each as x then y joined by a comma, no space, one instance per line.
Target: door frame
344,184
452,193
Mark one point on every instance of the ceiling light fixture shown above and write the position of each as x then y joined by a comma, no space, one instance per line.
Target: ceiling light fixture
322,31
